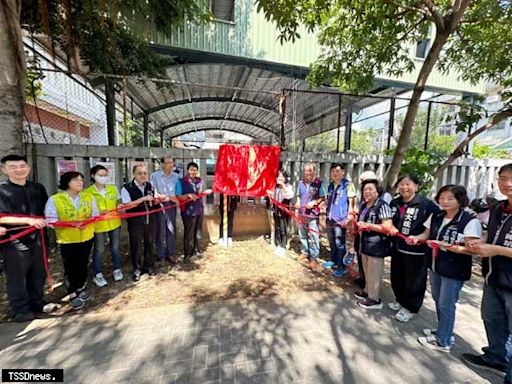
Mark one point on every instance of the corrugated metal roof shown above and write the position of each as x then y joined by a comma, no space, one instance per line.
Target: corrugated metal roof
237,98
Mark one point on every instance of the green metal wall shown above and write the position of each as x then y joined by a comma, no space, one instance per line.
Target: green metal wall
251,36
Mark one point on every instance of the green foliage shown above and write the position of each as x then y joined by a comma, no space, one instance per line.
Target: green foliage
364,141
482,151
364,38
101,32
438,144
33,85
421,163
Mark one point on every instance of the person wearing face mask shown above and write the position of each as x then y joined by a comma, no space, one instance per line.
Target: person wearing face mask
74,205
107,199
409,263
448,230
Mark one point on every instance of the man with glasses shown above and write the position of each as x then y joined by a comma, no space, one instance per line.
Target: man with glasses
166,183
138,196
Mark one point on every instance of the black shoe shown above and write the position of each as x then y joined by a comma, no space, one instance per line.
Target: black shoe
476,361
136,275
23,317
148,271
186,260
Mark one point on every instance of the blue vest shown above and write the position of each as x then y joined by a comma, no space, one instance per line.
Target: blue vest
337,205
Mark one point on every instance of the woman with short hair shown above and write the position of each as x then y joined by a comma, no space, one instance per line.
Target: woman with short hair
75,241
374,222
409,263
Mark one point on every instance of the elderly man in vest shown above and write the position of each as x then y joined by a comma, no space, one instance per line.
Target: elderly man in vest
137,196
166,183
310,194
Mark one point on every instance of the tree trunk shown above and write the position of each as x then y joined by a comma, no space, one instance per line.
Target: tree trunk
12,78
110,110
412,110
459,151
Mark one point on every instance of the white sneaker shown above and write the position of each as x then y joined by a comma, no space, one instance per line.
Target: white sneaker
429,331
222,243
432,343
50,307
394,306
280,252
118,275
432,332
230,241
403,315
99,280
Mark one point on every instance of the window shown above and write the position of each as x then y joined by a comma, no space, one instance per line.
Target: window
210,167
423,46
223,9
501,125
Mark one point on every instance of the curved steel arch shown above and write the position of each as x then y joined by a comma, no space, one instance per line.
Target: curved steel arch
258,138
206,99
237,120
257,133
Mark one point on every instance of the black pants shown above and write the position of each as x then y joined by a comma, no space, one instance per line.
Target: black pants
25,278
192,234
409,279
141,245
75,257
281,229
231,217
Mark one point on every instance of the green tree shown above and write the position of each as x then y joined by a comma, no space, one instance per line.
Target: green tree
438,144
95,31
365,38
482,151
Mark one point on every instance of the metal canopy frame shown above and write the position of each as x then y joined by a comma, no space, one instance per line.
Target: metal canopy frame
260,103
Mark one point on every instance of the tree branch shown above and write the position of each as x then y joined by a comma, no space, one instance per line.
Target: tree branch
438,18
414,9
459,151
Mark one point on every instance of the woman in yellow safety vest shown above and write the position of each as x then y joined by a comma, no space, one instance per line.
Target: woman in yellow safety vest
107,198
75,242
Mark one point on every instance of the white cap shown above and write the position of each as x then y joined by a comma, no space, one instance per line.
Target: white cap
367,175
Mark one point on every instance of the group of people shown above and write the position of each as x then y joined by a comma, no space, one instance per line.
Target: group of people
150,203
424,239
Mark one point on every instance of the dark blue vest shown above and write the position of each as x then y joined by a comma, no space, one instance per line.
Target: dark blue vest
450,264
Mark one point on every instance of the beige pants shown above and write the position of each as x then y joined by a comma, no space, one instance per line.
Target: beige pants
373,269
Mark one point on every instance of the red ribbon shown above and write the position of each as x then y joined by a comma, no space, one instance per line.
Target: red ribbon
77,224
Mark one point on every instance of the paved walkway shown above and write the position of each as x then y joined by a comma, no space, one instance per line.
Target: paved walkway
315,338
